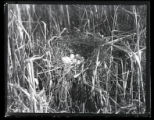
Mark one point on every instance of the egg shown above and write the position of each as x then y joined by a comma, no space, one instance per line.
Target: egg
77,56
72,56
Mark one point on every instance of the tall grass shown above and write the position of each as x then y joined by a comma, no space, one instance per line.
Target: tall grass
110,39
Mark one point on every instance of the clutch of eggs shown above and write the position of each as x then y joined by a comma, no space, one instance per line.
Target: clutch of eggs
73,59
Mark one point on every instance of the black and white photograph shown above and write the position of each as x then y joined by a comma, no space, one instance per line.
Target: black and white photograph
77,58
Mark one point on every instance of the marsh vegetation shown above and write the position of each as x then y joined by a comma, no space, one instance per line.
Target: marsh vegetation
76,58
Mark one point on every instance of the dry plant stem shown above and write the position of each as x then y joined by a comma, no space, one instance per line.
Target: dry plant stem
94,78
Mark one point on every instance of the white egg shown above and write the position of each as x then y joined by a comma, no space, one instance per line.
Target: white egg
72,56
77,56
